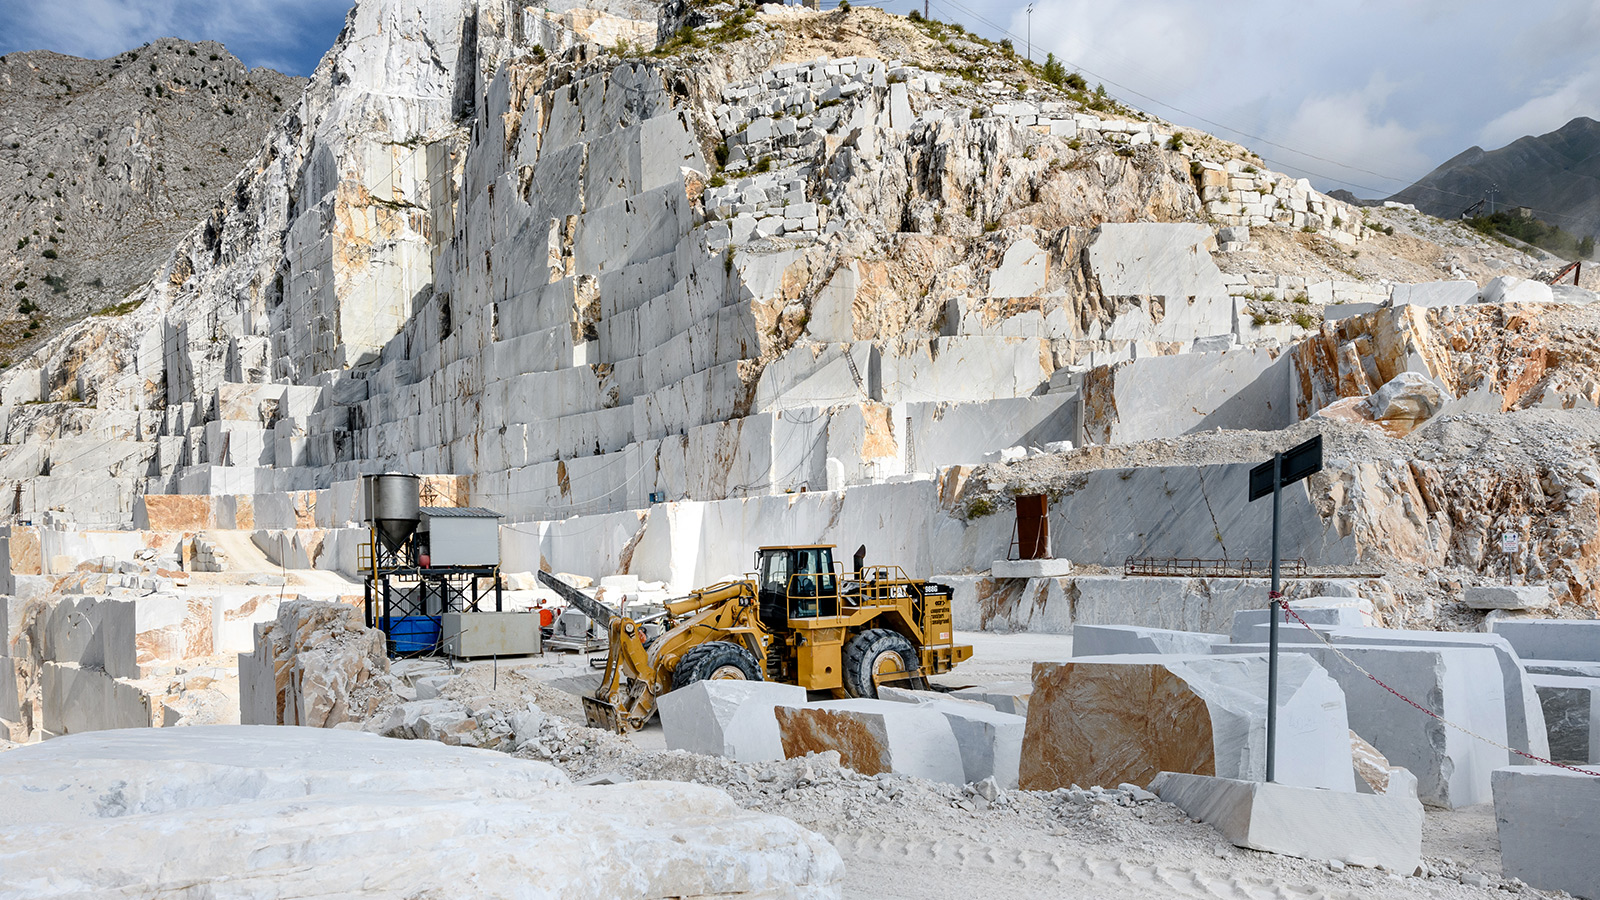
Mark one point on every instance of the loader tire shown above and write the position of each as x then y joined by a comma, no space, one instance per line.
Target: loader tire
714,661
876,652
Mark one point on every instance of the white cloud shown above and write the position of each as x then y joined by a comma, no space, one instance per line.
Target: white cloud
1558,105
1353,128
1391,88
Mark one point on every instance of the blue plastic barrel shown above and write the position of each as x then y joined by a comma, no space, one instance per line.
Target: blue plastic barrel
413,634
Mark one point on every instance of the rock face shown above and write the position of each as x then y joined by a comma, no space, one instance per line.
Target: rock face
316,664
114,160
353,813
1109,720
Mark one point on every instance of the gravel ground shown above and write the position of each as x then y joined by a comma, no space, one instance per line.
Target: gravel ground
906,837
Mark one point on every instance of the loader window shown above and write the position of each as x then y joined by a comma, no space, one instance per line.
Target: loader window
775,572
812,589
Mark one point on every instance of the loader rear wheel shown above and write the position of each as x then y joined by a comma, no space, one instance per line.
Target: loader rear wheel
715,661
879,656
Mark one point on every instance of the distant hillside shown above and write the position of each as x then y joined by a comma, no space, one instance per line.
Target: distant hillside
105,164
1555,174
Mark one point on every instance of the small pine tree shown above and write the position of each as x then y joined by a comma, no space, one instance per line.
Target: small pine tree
1586,247
1054,71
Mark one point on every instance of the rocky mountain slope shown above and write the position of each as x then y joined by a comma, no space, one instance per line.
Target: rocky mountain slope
1555,174
108,163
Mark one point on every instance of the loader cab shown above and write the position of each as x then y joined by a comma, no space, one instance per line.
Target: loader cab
796,583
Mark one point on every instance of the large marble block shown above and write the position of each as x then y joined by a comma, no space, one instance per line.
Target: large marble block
990,740
1113,719
732,719
1111,640
1461,684
1005,696
1571,639
1363,829
76,699
875,736
1549,825
93,632
1571,716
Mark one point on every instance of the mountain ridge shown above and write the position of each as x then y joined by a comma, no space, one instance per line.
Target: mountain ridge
1556,175
110,162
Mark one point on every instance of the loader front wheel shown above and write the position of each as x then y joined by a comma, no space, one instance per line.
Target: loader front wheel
880,656
715,661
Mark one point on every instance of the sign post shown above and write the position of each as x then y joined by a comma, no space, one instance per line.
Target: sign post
1269,478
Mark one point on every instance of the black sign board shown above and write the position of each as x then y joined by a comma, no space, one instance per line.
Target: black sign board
1298,462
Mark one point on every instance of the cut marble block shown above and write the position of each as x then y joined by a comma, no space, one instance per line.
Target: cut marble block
1569,639
76,700
1549,825
1462,684
1112,640
1252,625
733,719
92,632
1362,829
1572,715
1107,720
990,740
1005,696
1507,596
875,736
1524,720
346,813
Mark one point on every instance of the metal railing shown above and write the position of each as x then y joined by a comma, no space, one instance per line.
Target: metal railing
1193,567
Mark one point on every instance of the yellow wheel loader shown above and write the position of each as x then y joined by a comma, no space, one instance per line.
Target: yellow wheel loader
796,620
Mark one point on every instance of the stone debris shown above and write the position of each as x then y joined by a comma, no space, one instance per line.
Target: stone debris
317,664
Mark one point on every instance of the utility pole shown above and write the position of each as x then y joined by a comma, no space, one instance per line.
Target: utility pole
925,13
1030,32
1493,189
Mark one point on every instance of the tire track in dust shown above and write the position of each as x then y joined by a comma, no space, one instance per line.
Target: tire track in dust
890,867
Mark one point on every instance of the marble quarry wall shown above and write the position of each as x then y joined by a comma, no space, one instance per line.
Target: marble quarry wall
658,310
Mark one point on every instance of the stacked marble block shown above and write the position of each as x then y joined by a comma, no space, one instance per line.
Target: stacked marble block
779,121
1237,193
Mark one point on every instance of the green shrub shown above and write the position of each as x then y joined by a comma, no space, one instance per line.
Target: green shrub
1053,71
21,285
1304,320
717,181
49,253
1176,141
916,16
979,507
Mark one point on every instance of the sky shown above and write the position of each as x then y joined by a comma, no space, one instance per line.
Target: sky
287,35
1367,95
